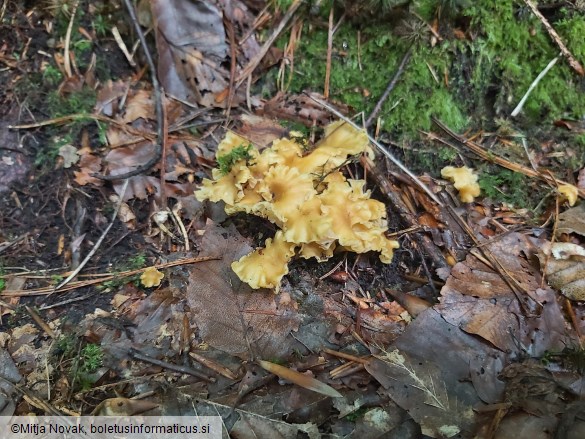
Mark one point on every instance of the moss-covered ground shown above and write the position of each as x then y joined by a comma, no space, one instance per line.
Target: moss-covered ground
472,77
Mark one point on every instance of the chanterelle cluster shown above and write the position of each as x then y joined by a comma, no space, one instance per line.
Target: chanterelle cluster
316,208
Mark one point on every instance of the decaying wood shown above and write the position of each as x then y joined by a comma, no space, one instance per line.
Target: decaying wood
407,217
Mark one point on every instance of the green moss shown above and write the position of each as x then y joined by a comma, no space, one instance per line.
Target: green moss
46,156
508,186
227,161
354,416
469,82
136,262
91,357
81,364
414,100
52,76
81,102
513,48
482,76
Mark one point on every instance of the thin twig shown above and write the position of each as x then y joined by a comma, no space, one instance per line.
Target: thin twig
103,277
553,33
122,46
534,84
383,150
390,87
407,217
99,241
346,356
67,59
81,116
158,106
39,321
163,159
65,302
329,54
174,367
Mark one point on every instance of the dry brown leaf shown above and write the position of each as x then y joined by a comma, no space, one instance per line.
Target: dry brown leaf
155,321
260,130
299,108
117,138
126,158
230,316
139,106
248,424
565,269
88,164
443,409
141,187
194,62
379,327
479,301
572,221
108,97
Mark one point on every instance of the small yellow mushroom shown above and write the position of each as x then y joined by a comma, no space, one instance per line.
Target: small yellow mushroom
464,180
570,192
151,277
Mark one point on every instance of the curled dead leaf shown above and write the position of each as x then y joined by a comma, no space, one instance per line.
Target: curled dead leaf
123,407
299,379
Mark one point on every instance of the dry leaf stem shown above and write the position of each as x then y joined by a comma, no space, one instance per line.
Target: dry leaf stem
389,88
557,39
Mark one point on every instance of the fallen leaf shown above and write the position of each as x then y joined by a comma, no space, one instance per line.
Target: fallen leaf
565,269
88,165
139,105
478,300
231,316
259,130
193,52
572,221
108,97
299,108
442,409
